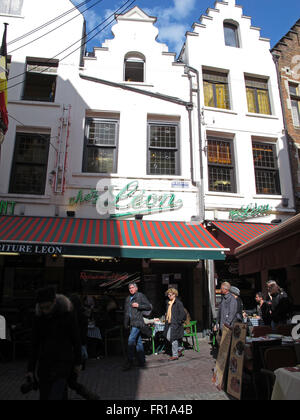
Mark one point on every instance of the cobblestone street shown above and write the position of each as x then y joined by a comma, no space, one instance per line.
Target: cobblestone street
189,378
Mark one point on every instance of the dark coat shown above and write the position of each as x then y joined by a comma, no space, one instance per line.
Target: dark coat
136,319
281,307
56,346
177,320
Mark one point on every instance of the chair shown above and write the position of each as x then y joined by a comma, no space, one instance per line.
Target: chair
20,338
261,331
114,334
285,330
275,358
192,327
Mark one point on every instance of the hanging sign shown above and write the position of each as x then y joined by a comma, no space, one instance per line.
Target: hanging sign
250,211
7,207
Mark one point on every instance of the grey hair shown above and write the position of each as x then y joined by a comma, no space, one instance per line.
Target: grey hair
226,284
132,284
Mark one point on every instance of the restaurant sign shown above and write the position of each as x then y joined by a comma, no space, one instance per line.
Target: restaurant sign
31,249
7,207
250,211
128,202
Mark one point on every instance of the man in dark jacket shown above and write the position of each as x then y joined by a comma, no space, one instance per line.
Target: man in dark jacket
279,303
56,347
136,303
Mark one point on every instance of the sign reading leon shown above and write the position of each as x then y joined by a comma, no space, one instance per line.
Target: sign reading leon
128,202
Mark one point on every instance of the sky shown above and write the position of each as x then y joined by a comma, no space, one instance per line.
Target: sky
176,17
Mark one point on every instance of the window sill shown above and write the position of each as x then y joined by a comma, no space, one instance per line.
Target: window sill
226,111
252,114
35,103
120,176
268,196
143,84
26,196
11,15
224,194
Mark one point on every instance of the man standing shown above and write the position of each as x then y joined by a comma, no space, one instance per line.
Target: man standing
56,347
136,303
227,309
279,303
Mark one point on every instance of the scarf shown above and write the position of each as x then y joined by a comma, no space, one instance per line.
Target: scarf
169,312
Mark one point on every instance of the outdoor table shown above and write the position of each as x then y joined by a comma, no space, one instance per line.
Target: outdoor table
157,327
94,332
287,384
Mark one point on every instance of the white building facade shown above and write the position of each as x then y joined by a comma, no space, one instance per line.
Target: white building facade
128,132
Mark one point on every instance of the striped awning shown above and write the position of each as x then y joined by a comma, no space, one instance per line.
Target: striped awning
242,232
123,238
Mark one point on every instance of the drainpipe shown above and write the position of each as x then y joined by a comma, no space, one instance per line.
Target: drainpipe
201,186
276,61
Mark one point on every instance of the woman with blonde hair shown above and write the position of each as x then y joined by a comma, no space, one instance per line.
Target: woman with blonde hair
175,317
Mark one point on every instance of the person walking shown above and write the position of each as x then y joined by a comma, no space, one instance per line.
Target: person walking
136,303
174,329
56,347
227,309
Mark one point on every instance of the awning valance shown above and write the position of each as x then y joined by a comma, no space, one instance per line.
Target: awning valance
123,238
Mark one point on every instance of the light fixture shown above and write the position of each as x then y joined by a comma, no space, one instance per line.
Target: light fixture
93,257
71,213
170,260
14,254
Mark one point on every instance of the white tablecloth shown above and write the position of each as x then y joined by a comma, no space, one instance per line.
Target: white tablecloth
287,384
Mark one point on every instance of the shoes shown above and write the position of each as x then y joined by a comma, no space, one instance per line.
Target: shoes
173,358
142,366
180,353
127,366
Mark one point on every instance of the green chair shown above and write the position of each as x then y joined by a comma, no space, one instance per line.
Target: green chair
193,333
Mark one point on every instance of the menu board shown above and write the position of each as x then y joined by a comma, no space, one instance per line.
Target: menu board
220,369
236,360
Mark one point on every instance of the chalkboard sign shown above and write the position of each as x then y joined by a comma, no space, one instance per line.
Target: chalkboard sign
222,359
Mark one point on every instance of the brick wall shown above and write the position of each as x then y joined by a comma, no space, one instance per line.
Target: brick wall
288,51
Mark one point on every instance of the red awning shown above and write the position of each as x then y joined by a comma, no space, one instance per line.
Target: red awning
125,238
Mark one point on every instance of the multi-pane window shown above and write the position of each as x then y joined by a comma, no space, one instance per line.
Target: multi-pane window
40,81
295,102
220,165
216,92
163,149
258,95
266,169
134,67
30,162
11,7
101,140
231,35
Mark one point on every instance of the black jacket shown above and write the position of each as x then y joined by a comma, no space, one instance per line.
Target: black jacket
280,307
133,317
56,346
177,320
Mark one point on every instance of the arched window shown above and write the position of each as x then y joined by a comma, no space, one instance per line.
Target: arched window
134,67
231,35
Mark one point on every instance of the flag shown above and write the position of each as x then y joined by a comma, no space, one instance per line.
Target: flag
3,86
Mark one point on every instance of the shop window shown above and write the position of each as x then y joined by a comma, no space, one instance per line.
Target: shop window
101,143
29,168
11,7
258,95
231,35
295,103
216,93
163,149
40,80
220,165
266,170
134,67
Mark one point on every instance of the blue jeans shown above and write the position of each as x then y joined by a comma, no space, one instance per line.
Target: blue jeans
135,343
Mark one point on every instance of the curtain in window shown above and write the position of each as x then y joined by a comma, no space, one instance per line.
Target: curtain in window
296,112
263,102
219,153
208,94
13,7
251,100
222,97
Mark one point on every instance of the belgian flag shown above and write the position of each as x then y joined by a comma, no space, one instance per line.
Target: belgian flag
3,86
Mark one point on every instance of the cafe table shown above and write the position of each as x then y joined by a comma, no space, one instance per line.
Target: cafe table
287,384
